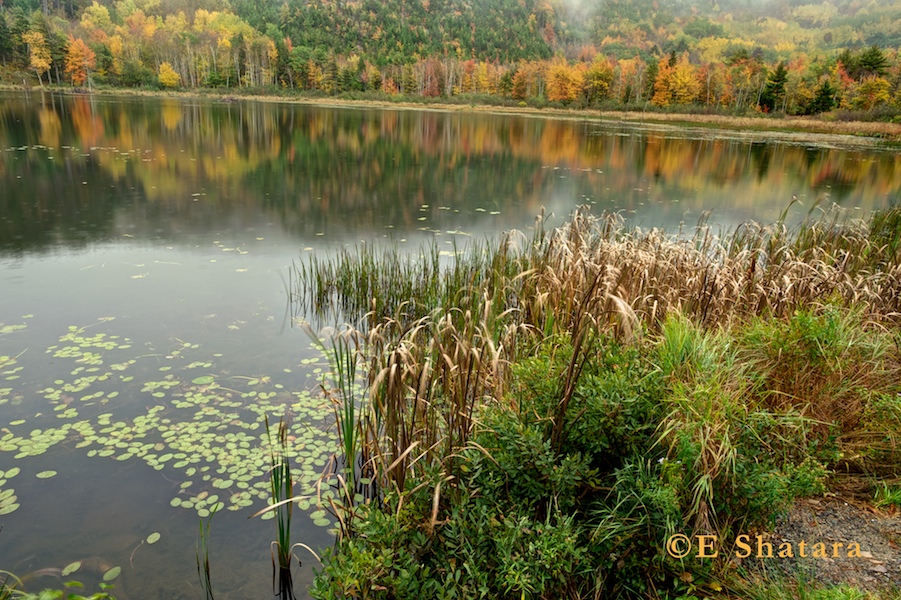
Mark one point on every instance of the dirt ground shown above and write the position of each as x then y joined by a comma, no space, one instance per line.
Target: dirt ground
839,520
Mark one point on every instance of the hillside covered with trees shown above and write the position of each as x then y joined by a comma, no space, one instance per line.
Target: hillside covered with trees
777,56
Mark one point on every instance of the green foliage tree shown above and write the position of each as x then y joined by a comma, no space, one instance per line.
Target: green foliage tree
650,76
823,100
409,80
703,27
871,63
774,92
6,41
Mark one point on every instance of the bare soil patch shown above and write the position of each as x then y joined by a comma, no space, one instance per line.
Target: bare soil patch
838,520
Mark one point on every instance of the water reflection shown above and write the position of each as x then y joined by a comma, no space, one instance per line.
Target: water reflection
76,169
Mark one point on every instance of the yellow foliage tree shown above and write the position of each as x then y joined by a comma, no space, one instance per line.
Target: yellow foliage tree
677,84
117,51
38,53
871,92
80,59
167,76
598,78
564,82
482,79
684,85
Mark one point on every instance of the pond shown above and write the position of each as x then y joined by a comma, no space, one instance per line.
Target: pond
145,330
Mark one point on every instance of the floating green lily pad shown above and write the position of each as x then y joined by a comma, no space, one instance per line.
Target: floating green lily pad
112,574
153,537
204,380
46,474
70,568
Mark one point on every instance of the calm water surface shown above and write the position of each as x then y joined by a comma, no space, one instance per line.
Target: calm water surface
143,321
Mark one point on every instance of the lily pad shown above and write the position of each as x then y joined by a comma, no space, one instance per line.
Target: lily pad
46,474
153,537
71,568
112,574
204,380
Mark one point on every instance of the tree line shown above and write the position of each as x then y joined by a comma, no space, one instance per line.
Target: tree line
136,43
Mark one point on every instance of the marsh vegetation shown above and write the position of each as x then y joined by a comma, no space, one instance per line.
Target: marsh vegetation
538,418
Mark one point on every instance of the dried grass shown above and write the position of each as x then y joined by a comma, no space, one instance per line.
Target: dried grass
439,337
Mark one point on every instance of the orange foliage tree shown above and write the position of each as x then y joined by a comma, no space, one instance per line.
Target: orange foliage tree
80,59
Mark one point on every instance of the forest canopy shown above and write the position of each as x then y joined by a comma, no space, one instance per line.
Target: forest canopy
777,56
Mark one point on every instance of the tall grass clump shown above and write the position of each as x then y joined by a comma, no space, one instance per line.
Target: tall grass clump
536,420
827,364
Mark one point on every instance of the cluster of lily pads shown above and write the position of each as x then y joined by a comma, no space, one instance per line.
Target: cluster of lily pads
172,410
8,499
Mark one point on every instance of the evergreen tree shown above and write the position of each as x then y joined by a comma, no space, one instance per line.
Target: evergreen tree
774,91
824,100
871,62
6,42
505,85
650,75
409,80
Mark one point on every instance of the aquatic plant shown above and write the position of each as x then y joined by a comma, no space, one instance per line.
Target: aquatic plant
202,554
8,585
282,501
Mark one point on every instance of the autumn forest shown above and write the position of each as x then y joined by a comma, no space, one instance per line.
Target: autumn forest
780,56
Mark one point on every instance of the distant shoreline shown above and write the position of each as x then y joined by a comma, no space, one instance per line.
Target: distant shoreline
855,132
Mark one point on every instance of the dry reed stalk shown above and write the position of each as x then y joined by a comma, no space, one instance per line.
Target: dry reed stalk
429,370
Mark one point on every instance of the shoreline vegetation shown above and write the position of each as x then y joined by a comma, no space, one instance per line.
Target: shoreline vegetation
838,123
540,418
